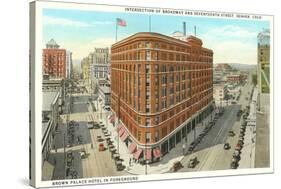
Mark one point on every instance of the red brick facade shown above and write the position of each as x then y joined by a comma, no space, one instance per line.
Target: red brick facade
158,83
54,62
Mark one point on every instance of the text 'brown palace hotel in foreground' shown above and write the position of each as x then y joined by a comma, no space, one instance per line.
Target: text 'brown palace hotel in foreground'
161,88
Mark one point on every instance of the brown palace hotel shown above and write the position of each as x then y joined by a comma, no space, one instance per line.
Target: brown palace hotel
161,88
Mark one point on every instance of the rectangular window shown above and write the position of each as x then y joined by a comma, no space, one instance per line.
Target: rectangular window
148,55
147,122
156,136
164,92
156,120
148,137
164,104
171,100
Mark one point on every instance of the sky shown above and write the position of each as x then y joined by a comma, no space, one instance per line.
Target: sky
80,31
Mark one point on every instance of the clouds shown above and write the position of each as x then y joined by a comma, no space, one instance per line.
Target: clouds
82,49
66,22
232,44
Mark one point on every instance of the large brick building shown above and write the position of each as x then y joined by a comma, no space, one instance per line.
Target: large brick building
54,60
161,87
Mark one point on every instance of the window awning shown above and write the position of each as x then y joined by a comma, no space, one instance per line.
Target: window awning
112,119
156,153
124,136
132,147
119,127
148,154
121,131
137,154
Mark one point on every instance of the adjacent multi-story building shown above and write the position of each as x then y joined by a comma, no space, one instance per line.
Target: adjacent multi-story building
161,87
263,61
54,60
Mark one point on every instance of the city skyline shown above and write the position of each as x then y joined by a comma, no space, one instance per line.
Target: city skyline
227,37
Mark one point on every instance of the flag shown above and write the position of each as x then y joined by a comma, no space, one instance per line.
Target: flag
121,22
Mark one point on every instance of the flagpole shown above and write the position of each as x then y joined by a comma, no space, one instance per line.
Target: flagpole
116,31
149,23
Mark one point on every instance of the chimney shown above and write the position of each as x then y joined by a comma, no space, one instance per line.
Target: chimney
184,29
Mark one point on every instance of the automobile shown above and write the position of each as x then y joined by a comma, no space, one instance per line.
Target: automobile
190,149
233,102
238,147
176,166
231,133
101,147
236,153
107,108
241,142
83,154
226,146
192,162
90,125
234,165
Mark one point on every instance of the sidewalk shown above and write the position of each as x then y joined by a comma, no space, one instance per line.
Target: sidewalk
248,150
166,162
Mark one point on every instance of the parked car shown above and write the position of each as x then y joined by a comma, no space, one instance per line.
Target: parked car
101,147
231,133
238,147
233,165
90,125
192,162
226,146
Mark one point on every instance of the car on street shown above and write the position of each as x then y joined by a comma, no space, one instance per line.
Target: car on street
101,147
226,146
90,125
231,133
233,165
238,147
192,162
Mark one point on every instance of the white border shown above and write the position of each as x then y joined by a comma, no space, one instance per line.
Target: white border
39,6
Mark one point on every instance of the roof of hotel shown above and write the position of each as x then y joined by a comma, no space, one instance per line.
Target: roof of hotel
190,39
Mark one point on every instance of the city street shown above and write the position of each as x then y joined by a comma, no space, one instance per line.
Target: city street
210,151
78,139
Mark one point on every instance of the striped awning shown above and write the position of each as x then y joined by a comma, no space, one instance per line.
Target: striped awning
137,154
132,147
156,153
148,154
124,136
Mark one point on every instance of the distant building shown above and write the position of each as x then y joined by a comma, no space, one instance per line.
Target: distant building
263,61
220,91
234,78
69,65
85,66
222,68
99,63
54,60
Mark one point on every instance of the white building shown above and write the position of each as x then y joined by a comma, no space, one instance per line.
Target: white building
219,92
69,65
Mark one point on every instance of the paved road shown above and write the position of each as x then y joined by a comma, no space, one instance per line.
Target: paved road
218,133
